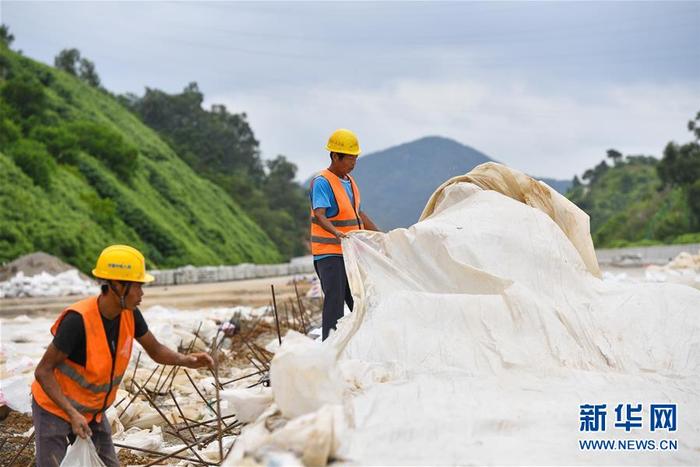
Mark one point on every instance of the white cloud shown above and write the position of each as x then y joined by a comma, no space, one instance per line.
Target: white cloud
540,132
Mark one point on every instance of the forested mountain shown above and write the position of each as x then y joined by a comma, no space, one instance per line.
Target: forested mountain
636,200
79,171
221,146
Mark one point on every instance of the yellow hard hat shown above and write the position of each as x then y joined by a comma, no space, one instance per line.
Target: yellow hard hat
343,141
122,263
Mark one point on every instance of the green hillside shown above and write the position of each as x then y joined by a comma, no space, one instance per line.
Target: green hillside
629,203
78,171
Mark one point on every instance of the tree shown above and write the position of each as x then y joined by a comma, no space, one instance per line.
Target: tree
599,170
6,38
693,194
88,73
70,61
221,145
576,182
694,126
67,60
680,166
615,156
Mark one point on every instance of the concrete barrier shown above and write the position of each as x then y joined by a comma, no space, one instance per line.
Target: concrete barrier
204,274
658,254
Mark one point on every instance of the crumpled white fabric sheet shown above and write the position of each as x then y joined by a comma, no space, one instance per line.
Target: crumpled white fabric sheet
477,334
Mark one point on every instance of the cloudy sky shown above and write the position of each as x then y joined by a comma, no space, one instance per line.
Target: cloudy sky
544,87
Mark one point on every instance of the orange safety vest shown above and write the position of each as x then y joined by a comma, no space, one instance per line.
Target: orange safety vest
348,218
91,389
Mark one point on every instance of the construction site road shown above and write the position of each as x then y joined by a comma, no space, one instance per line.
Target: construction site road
252,292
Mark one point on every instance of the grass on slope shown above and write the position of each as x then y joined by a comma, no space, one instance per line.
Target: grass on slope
164,208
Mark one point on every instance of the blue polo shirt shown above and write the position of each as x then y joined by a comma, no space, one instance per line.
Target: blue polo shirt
322,196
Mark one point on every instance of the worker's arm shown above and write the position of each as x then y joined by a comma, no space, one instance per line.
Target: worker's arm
163,355
369,225
44,374
320,214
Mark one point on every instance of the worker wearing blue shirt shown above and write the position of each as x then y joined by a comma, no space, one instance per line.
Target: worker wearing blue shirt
335,211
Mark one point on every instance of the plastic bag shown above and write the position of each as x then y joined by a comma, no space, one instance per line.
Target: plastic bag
82,453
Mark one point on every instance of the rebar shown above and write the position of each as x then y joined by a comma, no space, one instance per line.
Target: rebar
255,364
206,422
277,322
302,310
197,389
205,441
133,377
218,412
160,412
182,415
133,398
260,356
297,321
177,367
159,376
240,378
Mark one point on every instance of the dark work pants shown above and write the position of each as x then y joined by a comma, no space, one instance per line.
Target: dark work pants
334,282
51,438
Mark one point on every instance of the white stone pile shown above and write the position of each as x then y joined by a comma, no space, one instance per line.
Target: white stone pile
47,285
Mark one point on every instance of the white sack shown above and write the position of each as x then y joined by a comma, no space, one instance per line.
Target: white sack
246,403
82,453
145,439
16,393
304,376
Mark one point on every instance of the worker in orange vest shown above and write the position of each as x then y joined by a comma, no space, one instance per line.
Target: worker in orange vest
78,376
335,211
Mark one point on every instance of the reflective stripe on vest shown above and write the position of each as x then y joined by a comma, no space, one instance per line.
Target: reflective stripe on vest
78,378
325,241
83,409
91,389
346,223
346,220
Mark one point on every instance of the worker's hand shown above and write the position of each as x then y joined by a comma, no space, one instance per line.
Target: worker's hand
80,426
340,234
198,360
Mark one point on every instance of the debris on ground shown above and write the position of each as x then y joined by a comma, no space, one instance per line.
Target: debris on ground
16,439
165,414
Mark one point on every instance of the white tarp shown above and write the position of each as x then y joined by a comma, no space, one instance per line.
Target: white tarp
477,335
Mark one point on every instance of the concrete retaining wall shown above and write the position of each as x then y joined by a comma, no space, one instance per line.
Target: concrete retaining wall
204,274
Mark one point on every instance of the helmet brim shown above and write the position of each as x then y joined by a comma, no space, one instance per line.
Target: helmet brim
351,153
146,277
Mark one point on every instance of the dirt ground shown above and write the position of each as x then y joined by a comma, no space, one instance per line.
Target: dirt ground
252,292
12,441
